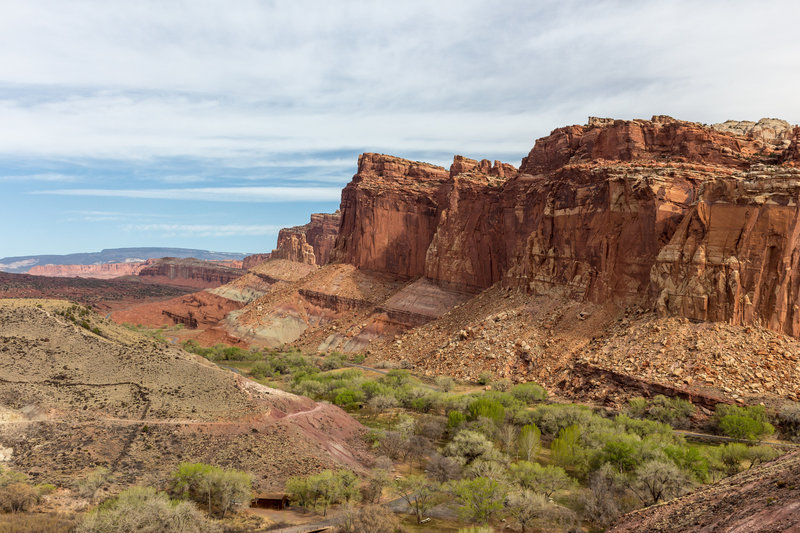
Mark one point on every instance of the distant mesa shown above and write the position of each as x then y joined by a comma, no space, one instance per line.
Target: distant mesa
23,264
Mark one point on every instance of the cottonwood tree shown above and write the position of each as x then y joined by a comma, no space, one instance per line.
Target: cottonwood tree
442,469
419,492
530,441
658,480
546,480
481,498
528,508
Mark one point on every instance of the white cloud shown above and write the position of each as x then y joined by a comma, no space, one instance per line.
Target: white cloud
46,177
214,194
204,230
208,79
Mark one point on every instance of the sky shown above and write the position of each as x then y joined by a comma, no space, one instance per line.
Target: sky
212,124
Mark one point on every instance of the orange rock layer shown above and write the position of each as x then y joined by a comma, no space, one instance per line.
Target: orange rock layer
693,220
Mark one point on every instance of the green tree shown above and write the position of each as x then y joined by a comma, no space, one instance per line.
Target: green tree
658,480
546,480
530,440
419,492
212,486
481,498
142,509
467,446
743,422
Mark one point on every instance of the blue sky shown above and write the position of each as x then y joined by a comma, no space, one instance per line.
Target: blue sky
210,124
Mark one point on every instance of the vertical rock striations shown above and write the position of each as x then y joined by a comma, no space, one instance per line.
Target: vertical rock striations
697,221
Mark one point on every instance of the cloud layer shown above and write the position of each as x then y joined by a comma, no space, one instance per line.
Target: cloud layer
130,107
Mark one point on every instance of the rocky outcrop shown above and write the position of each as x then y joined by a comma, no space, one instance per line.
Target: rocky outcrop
389,215
252,260
189,272
101,271
735,256
612,211
310,243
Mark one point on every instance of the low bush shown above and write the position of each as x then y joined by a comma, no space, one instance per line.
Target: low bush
743,422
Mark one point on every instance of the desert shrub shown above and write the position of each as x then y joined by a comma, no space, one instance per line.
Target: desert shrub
261,370
311,388
381,403
606,498
89,485
529,393
743,422
143,510
443,469
348,398
18,497
673,411
394,444
486,407
432,427
689,459
37,523
761,454
357,358
455,419
419,492
789,419
372,519
373,388
212,486
485,377
643,428
550,419
530,441
623,451
733,455
658,481
502,385
567,450
446,383
332,362
8,476
397,378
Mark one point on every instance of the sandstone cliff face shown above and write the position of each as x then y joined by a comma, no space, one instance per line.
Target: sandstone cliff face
697,221
102,271
310,243
389,215
189,272
735,255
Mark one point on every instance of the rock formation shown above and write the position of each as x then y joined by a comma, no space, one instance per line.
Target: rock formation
101,271
189,272
310,243
613,210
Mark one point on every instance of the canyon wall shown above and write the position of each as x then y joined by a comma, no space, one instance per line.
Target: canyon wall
102,271
310,243
693,220
189,272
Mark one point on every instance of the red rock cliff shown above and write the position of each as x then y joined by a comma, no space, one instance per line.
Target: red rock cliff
189,272
310,243
654,211
389,215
